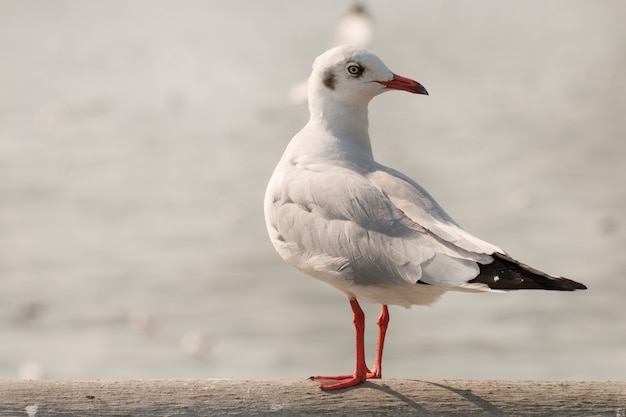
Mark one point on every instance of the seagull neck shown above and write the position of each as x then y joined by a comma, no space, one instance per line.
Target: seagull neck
346,122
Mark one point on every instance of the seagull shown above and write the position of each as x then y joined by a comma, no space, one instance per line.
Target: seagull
356,27
373,233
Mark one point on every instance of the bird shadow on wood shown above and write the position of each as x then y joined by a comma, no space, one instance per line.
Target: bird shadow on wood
390,391
387,390
466,394
473,398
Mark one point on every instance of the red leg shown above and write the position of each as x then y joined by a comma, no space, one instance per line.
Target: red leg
360,373
383,322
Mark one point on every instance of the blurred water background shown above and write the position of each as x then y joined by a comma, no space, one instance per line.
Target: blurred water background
137,137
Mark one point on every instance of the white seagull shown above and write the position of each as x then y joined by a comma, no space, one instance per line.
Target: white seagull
336,214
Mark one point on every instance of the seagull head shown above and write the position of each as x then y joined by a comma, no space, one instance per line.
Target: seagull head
353,75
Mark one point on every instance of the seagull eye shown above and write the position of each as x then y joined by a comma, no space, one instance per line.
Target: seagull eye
354,70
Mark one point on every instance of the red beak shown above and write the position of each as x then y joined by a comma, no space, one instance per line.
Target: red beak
405,84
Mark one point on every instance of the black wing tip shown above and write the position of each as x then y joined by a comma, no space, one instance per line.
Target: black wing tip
570,285
506,273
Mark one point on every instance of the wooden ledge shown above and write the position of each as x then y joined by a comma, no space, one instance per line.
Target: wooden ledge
301,397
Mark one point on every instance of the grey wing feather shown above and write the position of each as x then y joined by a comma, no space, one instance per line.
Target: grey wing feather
383,228
411,198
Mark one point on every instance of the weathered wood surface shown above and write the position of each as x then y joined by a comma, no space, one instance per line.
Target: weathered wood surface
290,397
